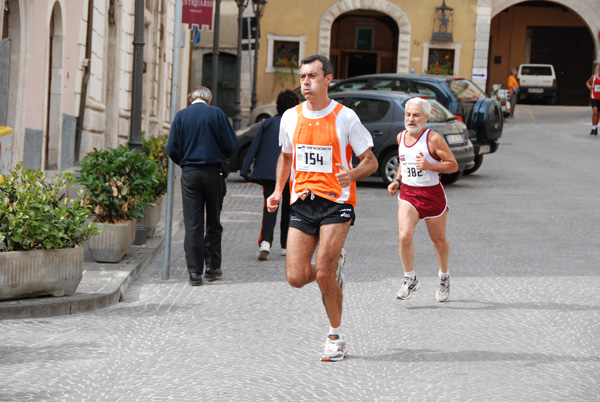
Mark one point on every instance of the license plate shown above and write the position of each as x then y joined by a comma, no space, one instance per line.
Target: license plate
455,139
535,90
484,149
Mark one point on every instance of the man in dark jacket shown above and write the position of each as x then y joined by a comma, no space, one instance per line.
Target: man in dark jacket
200,142
264,151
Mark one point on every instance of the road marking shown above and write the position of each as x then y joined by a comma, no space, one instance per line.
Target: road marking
530,114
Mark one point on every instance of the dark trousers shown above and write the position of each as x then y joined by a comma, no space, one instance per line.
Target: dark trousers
202,190
270,218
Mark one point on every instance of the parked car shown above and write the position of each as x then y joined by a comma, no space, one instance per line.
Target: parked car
537,81
382,113
482,115
263,112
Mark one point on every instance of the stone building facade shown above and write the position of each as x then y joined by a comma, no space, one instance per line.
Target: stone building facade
60,49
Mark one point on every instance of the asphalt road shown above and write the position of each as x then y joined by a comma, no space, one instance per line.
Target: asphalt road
522,323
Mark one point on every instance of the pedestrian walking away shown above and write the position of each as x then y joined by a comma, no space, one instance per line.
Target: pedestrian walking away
513,87
423,155
317,139
200,142
262,155
593,84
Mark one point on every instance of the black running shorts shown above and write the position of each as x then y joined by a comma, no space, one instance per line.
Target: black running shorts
309,214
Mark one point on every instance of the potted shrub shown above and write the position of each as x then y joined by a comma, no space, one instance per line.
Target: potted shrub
41,230
156,149
118,184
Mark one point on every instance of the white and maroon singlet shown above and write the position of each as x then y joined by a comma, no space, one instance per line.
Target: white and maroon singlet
408,160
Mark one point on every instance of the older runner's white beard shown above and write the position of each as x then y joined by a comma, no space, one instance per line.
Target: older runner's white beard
415,129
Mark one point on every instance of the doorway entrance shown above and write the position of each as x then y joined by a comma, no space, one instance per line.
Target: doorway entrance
363,42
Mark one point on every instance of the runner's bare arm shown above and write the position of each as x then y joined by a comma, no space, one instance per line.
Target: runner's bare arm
284,166
440,149
367,166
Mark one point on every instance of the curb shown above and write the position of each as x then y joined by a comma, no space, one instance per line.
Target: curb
108,295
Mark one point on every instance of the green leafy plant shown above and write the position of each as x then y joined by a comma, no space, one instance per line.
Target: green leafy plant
36,213
119,182
156,149
441,69
285,71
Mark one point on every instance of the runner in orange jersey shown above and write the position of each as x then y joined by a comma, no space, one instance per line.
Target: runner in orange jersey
317,139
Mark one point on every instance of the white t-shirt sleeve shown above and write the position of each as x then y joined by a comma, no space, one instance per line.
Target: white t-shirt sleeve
287,126
359,137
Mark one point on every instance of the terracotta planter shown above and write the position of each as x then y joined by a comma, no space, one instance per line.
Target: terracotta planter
113,242
25,274
152,215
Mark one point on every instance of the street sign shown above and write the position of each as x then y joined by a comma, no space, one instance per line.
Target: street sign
197,12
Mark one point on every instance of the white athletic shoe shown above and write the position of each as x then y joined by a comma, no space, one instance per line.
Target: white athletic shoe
263,250
408,287
443,291
335,348
283,251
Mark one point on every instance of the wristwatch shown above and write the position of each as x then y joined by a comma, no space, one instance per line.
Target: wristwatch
399,181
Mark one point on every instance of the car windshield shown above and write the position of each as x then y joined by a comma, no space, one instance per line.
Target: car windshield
348,86
465,90
438,114
536,70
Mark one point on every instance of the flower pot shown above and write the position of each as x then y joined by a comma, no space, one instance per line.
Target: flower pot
113,242
152,216
34,273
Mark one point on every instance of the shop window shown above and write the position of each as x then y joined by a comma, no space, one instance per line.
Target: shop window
440,61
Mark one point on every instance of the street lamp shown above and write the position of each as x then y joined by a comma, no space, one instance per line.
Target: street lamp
237,119
258,7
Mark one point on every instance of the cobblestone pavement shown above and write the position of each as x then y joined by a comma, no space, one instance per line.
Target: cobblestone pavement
522,323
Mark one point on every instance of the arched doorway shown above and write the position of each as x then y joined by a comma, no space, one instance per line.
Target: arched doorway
543,32
53,128
363,42
383,7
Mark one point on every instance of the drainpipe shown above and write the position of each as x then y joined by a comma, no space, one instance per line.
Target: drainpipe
86,77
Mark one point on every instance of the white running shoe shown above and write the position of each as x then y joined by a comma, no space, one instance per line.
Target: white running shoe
283,251
408,287
335,348
263,250
339,275
443,290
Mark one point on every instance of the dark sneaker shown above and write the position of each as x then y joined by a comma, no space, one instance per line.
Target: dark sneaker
594,131
212,274
443,290
408,287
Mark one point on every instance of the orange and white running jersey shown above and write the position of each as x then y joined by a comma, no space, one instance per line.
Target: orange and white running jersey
595,92
318,140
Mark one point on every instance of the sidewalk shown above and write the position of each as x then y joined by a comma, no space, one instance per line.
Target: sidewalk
103,284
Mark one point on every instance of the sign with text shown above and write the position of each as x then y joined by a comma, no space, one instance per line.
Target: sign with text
197,12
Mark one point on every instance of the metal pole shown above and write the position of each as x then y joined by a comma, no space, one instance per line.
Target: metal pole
215,54
258,7
137,84
135,128
237,118
177,45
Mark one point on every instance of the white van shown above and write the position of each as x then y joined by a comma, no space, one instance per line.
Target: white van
537,81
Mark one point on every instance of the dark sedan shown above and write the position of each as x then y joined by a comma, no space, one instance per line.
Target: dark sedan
382,113
482,115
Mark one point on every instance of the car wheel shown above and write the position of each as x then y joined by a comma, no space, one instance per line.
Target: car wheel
389,167
451,178
478,162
